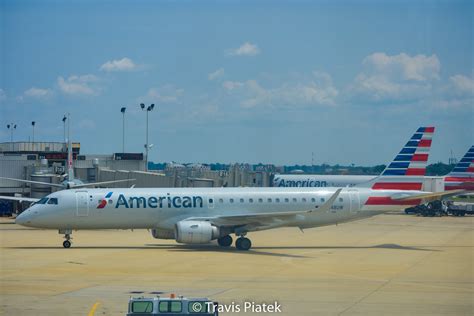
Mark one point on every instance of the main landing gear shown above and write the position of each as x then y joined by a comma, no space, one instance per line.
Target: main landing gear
241,243
225,241
67,235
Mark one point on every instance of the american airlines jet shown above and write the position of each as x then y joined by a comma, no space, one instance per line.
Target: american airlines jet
199,215
320,180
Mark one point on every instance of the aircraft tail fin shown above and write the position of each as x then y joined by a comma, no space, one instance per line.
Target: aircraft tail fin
408,168
462,176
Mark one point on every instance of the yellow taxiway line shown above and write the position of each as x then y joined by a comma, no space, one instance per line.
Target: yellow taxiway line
94,307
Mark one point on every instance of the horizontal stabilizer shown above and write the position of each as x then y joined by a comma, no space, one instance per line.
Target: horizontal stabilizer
35,182
85,185
18,198
430,196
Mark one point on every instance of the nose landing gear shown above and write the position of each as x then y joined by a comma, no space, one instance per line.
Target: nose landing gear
66,244
67,235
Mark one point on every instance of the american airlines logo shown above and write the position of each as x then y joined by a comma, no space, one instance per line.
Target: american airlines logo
279,182
168,201
103,202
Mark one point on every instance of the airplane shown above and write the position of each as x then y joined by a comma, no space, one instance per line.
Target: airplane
318,180
200,215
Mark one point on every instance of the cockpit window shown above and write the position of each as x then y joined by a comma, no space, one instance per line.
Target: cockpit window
42,201
53,201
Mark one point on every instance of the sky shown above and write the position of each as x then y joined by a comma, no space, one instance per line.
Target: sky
241,81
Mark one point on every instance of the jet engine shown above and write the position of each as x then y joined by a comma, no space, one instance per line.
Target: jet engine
195,232
162,234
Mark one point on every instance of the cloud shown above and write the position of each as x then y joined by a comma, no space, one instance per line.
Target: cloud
462,85
319,90
165,94
246,49
404,67
216,74
124,64
38,93
231,85
395,78
78,85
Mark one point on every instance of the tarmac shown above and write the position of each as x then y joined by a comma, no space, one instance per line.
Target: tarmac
392,264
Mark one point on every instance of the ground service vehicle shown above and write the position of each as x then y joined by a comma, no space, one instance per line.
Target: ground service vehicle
170,306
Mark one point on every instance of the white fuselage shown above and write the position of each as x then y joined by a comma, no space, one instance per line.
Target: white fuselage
157,208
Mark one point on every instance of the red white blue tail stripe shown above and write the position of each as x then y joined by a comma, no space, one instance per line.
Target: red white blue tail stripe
405,172
462,176
413,158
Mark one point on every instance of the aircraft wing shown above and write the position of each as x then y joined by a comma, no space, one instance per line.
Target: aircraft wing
35,182
85,185
18,198
265,220
430,196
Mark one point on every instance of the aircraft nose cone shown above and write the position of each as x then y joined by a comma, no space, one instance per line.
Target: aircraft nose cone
23,218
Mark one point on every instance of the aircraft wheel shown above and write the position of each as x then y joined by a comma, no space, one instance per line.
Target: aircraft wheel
225,241
67,244
243,243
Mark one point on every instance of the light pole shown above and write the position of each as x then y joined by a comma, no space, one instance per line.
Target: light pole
64,127
123,128
33,123
147,147
11,127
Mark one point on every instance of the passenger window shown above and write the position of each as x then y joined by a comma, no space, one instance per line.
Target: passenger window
322,200
241,200
231,200
277,200
269,200
211,201
251,200
341,199
294,200
303,199
313,200
260,200
287,200
221,201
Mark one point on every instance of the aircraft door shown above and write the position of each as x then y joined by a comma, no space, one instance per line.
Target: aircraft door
82,203
354,200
